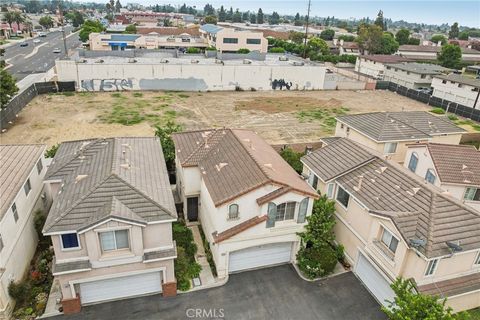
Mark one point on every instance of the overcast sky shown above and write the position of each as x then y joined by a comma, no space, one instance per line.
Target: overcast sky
427,11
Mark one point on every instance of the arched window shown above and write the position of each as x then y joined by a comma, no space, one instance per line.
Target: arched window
233,211
430,176
412,164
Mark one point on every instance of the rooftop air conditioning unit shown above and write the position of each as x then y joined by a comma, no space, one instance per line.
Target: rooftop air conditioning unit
163,61
283,58
247,61
194,61
298,63
131,60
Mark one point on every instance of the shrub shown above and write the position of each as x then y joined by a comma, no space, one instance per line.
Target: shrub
243,50
193,50
317,262
184,238
277,50
452,117
185,269
208,252
19,291
292,158
211,48
50,153
437,111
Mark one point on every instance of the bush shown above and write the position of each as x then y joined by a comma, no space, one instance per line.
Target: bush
277,50
292,158
317,262
437,111
185,269
208,252
19,291
193,50
243,50
50,153
452,117
210,48
184,238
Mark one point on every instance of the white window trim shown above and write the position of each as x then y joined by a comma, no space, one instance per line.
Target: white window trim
70,249
336,200
476,261
433,173
238,212
434,269
103,252
331,194
388,143
392,235
295,212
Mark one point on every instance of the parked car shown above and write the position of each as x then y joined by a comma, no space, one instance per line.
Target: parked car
24,44
425,90
42,34
57,50
36,41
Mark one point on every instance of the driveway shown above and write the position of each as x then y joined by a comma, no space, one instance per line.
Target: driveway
273,293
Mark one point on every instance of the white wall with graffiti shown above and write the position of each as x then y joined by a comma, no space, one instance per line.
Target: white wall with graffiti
189,77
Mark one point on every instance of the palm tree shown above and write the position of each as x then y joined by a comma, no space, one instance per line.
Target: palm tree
9,18
18,18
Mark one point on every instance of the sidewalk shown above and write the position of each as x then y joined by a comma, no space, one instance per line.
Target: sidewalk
206,276
52,306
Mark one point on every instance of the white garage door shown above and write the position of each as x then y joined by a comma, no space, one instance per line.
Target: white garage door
374,281
121,287
260,256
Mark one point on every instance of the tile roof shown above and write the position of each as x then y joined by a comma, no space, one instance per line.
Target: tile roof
400,126
234,162
160,254
452,287
385,58
16,163
168,31
125,178
273,195
414,48
81,265
224,235
460,79
458,164
336,158
419,68
418,209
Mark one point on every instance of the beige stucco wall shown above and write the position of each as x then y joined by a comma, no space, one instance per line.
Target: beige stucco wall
410,80
464,302
452,92
368,67
447,139
242,37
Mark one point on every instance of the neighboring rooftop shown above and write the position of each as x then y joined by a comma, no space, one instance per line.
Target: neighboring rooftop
418,209
414,48
400,126
211,28
385,58
125,178
167,31
16,164
233,162
460,79
420,68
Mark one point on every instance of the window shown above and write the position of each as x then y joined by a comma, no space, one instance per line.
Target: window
285,211
430,176
254,41
431,267
444,81
472,194
313,180
388,68
230,40
330,190
114,240
15,212
460,85
39,166
423,76
70,241
342,125
27,187
408,72
343,197
233,211
1,243
389,240
477,259
390,147
412,165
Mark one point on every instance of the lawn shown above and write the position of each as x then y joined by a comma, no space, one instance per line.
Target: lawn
474,314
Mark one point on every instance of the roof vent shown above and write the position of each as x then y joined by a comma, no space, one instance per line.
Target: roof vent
220,166
163,60
80,177
464,167
417,242
382,170
454,247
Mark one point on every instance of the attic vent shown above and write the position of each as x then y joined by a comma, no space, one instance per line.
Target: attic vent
220,166
80,177
125,166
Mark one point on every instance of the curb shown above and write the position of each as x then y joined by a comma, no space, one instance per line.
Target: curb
295,266
218,283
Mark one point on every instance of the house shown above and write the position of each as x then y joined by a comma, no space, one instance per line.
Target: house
111,220
394,224
457,88
231,40
413,75
250,202
453,168
390,132
374,65
430,52
22,168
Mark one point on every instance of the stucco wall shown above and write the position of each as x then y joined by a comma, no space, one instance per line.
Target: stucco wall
368,67
452,92
410,80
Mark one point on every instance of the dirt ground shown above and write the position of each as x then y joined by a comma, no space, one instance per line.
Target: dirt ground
279,117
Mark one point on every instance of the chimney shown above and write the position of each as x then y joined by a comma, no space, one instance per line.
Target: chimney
308,149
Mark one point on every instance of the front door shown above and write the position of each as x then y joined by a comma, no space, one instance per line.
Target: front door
192,209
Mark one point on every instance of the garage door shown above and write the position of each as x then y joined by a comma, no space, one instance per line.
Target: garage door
260,256
374,281
121,287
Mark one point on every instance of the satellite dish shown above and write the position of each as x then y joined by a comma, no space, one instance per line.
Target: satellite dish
454,247
417,242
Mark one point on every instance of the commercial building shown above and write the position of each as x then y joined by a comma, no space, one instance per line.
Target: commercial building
231,40
430,52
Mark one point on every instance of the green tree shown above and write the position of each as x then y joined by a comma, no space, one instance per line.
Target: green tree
9,17
414,41
463,35
327,34
253,18
131,28
346,38
409,305
222,14
402,36
260,16
230,14
290,156
317,46
237,16
439,38
208,10
296,37
274,18
454,31
46,22
77,19
165,135
370,39
388,45
88,27
245,16
118,6
379,20
450,56
210,19
8,88
183,9
297,20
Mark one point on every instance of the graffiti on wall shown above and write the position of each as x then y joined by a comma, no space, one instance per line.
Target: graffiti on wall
106,84
279,84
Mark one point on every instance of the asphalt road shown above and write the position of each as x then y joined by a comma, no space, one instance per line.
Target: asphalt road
273,293
25,61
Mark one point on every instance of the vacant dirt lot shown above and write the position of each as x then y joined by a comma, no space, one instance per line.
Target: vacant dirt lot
279,117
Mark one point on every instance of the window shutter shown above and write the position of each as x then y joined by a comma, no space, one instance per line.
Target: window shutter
302,211
272,212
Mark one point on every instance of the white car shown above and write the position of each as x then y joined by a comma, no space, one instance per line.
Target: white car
57,50
36,41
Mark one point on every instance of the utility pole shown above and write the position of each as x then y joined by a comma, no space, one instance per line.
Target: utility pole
62,21
306,30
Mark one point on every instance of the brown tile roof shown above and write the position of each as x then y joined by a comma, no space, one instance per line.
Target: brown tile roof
456,163
16,163
274,34
452,287
418,209
160,254
273,195
219,237
169,31
234,162
385,58
414,48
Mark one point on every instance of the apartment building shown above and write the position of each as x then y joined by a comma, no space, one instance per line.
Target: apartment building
457,88
413,75
425,52
374,65
231,40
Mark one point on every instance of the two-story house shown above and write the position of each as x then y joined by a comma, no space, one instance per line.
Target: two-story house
111,220
22,168
453,168
394,224
457,88
231,40
250,202
390,132
413,75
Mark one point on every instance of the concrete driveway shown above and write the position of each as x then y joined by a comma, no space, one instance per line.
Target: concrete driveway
273,293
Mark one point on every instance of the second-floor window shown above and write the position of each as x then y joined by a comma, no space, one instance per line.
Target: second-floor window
390,147
330,190
233,211
412,164
430,176
472,194
389,240
431,267
343,197
70,241
27,187
230,40
285,211
15,212
114,240
254,41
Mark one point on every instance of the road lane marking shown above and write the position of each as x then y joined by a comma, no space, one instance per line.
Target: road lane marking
35,50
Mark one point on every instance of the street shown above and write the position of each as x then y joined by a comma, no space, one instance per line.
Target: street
38,57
